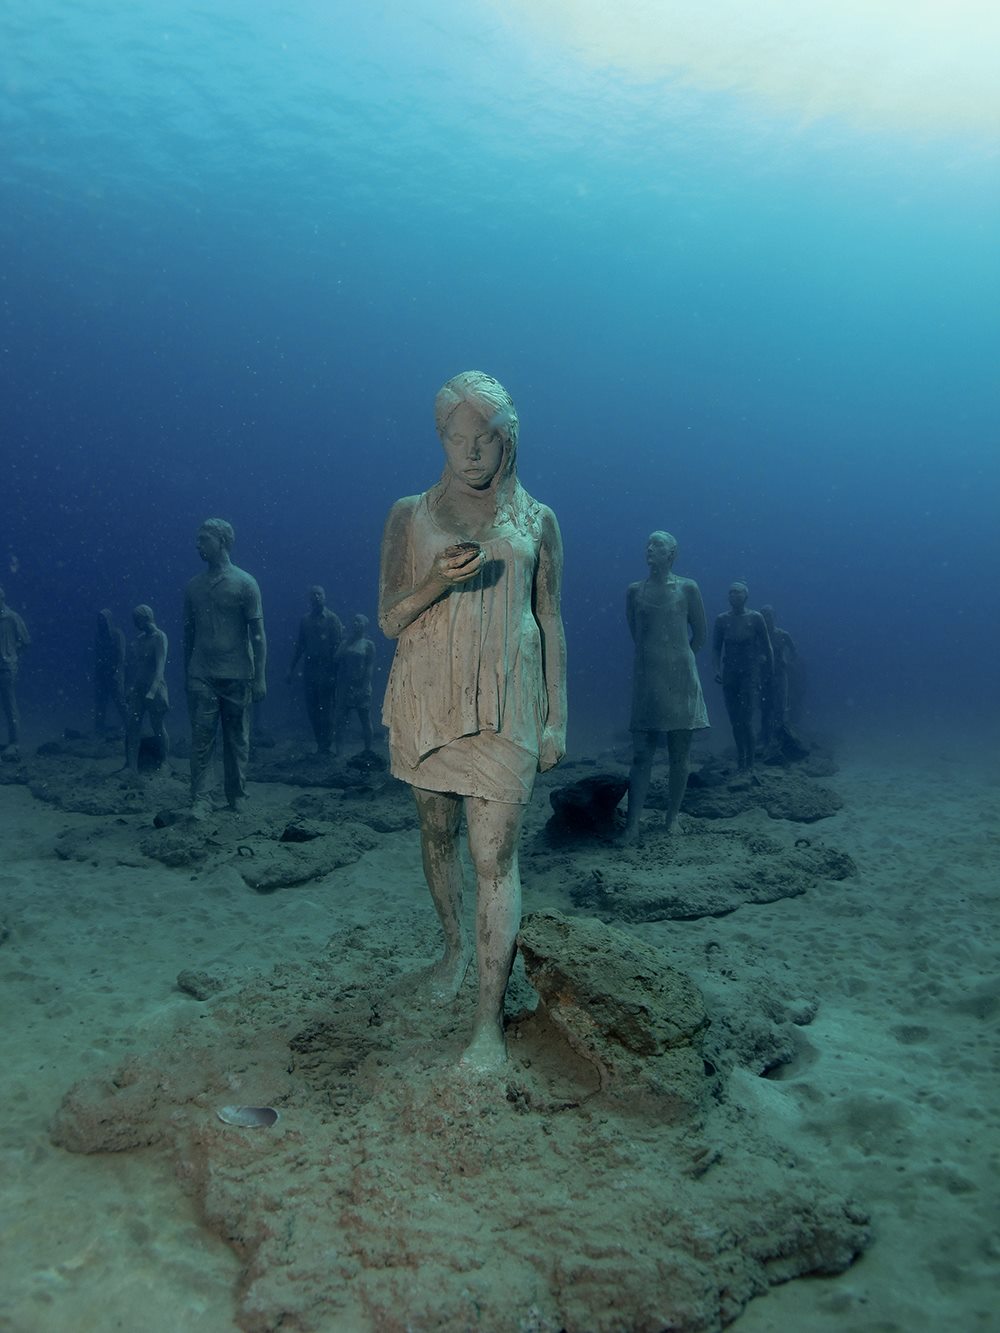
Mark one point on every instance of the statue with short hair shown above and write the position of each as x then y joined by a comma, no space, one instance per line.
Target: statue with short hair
145,687
470,587
355,667
741,649
319,637
666,618
14,638
225,656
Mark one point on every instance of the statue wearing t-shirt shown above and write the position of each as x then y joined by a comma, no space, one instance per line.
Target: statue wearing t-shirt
14,638
225,653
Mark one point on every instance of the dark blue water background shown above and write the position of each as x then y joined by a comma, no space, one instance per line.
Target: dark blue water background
241,246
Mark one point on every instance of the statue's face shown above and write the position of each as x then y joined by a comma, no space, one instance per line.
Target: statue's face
317,598
737,597
474,452
141,621
659,553
210,544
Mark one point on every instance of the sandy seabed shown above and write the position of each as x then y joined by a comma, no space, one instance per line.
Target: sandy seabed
891,1094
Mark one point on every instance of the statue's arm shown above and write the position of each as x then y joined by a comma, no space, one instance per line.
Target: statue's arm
23,637
548,613
400,603
696,617
369,670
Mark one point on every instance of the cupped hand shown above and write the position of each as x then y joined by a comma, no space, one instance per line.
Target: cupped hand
460,568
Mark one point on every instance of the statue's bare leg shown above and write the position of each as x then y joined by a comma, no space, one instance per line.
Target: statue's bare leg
494,835
643,750
440,816
678,749
133,734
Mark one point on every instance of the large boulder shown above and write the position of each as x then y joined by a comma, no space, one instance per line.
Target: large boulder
619,1004
588,805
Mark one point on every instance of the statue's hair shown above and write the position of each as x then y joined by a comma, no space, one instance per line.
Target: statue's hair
668,537
143,610
223,530
492,401
741,583
486,395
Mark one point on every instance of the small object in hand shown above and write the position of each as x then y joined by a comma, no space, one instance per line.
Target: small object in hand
468,549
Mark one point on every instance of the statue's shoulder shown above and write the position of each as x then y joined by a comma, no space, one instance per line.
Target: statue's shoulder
242,575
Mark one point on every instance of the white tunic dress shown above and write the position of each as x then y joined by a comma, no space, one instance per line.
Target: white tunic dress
466,703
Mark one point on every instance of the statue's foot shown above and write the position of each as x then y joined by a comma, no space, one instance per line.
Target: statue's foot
630,836
238,805
486,1053
201,808
440,982
11,754
444,979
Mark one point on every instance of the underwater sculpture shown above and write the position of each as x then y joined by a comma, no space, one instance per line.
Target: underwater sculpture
320,634
225,655
774,685
109,669
146,689
666,618
740,651
476,701
355,665
14,638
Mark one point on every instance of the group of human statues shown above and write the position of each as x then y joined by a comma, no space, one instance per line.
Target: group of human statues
225,657
475,706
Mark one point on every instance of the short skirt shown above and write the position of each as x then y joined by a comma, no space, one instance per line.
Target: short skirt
483,764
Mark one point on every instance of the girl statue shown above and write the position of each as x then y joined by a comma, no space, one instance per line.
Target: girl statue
476,700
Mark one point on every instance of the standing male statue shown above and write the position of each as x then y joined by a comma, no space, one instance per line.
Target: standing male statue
14,638
225,654
740,650
666,618
320,635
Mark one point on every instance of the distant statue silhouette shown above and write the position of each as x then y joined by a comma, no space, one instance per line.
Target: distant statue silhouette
109,670
476,700
225,656
666,618
774,702
355,665
320,635
740,647
145,687
14,638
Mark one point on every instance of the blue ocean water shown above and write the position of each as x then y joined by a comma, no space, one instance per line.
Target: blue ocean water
742,283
